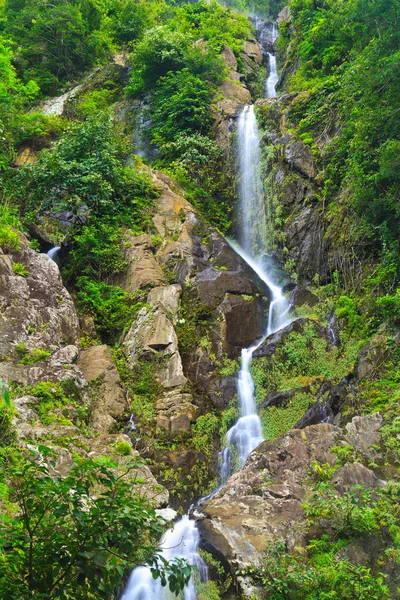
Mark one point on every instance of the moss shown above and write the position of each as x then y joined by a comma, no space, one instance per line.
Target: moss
276,420
302,359
36,355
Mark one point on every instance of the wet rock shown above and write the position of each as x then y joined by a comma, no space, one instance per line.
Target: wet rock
301,296
329,401
271,343
110,403
243,323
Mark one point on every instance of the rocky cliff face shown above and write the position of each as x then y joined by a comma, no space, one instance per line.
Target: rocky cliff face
69,399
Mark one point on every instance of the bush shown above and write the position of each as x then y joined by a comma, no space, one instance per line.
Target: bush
83,543
111,307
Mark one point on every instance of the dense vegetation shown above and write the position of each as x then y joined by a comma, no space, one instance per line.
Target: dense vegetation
349,69
348,57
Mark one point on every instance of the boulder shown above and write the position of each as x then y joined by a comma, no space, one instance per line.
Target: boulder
263,501
301,296
355,474
243,323
36,310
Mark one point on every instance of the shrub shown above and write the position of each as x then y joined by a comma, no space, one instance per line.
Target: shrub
9,239
110,306
20,269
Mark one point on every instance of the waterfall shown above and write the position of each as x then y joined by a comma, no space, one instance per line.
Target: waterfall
253,223
246,434
273,77
183,540
53,253
180,542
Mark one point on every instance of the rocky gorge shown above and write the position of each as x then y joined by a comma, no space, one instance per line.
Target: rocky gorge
162,387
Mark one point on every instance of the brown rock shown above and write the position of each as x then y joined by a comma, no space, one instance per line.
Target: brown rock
110,403
143,269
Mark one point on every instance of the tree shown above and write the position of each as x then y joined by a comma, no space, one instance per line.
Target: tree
75,537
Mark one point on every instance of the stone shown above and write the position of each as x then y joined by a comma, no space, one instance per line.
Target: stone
355,474
66,355
110,403
26,156
306,245
301,296
329,401
36,310
363,433
263,501
284,15
243,323
143,270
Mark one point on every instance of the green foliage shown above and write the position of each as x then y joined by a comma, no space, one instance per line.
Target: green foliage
96,252
85,169
20,269
111,307
56,41
349,57
123,448
290,576
180,105
301,359
34,356
276,420
9,239
81,544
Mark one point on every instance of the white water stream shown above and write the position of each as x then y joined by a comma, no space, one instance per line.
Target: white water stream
183,540
273,76
53,253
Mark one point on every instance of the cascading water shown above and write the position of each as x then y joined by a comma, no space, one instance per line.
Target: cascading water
53,253
246,434
273,70
183,540
180,542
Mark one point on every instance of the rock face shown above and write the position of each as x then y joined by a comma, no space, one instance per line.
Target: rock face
110,403
262,503
36,309
294,188
209,279
37,315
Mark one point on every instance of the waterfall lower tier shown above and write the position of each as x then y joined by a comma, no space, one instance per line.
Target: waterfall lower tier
180,542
